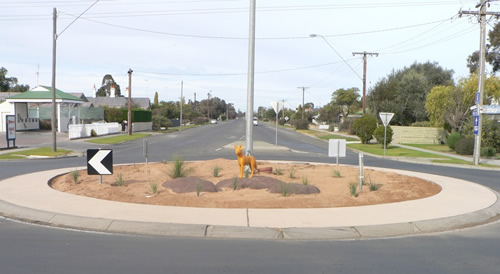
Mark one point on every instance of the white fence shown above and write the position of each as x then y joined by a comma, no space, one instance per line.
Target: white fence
83,131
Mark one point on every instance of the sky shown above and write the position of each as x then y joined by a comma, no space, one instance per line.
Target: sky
204,44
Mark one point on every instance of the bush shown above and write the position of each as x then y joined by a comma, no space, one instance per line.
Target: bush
223,118
200,120
302,124
488,151
161,121
93,133
364,128
281,121
379,135
347,126
465,146
331,127
452,140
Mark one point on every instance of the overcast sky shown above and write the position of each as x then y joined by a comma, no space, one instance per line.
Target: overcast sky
204,43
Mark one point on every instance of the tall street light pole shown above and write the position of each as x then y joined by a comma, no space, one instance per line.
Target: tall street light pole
54,44
250,84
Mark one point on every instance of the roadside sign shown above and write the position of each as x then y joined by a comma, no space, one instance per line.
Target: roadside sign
99,161
11,129
490,109
336,148
477,98
277,106
286,118
385,117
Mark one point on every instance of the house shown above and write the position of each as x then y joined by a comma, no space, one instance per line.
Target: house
119,102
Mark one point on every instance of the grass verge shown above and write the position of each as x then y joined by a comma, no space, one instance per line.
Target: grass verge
42,151
392,151
118,138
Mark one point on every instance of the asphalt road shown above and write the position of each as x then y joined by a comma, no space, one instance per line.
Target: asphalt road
27,248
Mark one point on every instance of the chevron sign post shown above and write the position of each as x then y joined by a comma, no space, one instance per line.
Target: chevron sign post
99,162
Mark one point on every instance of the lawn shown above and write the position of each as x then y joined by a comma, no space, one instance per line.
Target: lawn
392,151
118,138
326,136
438,148
42,151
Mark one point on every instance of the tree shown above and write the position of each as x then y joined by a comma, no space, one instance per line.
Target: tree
9,84
107,83
451,104
330,113
404,92
347,100
155,101
492,52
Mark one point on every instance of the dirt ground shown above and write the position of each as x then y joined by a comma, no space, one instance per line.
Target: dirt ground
139,180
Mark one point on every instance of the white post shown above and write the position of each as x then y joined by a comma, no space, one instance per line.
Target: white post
361,174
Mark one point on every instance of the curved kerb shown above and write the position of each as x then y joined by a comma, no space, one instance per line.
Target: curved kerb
460,204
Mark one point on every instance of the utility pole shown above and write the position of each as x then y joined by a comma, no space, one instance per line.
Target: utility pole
54,44
250,81
482,57
364,53
208,106
130,101
303,90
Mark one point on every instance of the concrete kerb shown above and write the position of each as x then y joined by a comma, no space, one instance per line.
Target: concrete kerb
110,225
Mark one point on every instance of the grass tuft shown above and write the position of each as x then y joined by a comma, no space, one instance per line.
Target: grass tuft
235,182
75,175
305,181
278,171
353,189
291,173
119,179
336,173
216,170
154,187
179,169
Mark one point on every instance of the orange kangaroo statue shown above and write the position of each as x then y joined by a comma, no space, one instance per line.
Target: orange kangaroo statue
245,160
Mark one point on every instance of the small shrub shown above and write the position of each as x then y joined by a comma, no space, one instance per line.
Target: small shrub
75,175
452,140
93,133
216,170
465,146
119,180
278,171
198,189
488,151
281,121
200,120
347,126
336,173
179,169
353,189
235,182
379,135
153,187
285,190
374,187
291,173
305,181
247,172
364,127
302,124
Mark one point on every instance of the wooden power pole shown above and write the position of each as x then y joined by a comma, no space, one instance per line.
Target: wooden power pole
364,53
303,90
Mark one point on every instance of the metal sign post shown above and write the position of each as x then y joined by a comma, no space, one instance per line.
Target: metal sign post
337,148
277,106
361,173
386,118
99,162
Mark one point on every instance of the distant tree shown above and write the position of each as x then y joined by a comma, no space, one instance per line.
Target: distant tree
330,112
492,52
107,83
451,104
9,84
155,102
404,92
347,100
